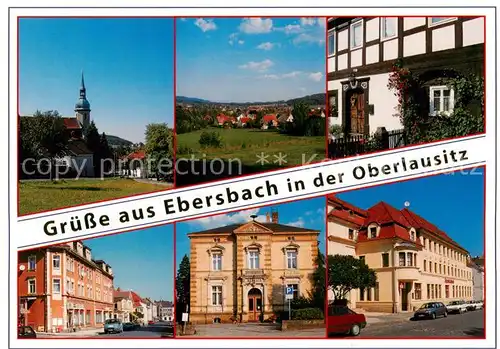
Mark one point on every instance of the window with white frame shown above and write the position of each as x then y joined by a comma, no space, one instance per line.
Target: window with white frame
31,262
56,286
291,259
217,261
253,259
331,43
217,295
441,100
440,20
388,27
56,262
356,34
31,286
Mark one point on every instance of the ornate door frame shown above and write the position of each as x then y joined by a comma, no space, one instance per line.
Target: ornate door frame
348,86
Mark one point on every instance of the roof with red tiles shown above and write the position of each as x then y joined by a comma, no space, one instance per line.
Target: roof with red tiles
269,117
335,200
71,123
139,154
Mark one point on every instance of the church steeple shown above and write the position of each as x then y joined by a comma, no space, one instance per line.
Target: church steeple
82,106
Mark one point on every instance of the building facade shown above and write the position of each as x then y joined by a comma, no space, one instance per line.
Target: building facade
477,266
415,262
62,287
124,305
363,50
239,272
166,311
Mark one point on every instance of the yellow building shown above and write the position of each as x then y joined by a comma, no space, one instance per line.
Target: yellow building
415,261
240,271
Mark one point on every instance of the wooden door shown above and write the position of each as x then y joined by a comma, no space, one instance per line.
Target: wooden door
254,305
357,113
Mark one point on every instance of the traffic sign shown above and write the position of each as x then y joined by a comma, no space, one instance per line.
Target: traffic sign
289,293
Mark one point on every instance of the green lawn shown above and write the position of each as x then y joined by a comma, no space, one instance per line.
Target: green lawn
246,144
36,196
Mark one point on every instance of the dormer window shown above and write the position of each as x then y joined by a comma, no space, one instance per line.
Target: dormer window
413,236
373,232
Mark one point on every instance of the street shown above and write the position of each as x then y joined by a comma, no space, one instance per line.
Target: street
157,330
468,325
253,330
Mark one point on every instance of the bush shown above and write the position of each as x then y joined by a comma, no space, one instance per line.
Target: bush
307,314
210,140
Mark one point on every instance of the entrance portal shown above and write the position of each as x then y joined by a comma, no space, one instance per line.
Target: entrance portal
254,304
356,112
405,291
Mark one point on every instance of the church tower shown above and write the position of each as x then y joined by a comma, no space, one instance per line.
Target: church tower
82,107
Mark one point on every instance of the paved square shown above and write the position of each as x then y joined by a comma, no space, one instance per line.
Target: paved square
254,330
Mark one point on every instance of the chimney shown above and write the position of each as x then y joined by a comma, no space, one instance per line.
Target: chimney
275,216
268,218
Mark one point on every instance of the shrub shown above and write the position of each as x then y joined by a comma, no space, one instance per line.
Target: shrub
210,140
307,314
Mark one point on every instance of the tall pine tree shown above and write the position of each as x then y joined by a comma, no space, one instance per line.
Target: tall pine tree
182,286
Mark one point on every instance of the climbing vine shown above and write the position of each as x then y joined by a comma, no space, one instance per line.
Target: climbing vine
412,108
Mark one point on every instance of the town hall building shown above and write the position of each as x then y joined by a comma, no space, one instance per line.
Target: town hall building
239,272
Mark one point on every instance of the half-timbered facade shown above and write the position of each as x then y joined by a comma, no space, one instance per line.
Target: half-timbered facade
362,52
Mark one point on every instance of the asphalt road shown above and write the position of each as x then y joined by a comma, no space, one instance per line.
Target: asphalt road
150,331
468,325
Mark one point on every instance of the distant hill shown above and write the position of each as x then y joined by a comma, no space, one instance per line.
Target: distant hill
315,99
182,99
115,141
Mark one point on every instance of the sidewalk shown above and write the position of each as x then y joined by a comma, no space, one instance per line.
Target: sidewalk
81,333
374,317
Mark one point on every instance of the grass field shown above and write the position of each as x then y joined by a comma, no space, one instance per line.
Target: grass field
246,144
36,196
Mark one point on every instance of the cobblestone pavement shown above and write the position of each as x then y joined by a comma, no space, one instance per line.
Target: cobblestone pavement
253,330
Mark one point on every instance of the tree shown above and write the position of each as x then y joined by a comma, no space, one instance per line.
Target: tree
318,282
346,273
104,150
182,282
159,149
43,135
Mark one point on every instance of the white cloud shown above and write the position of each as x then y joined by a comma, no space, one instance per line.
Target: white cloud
205,24
292,74
292,29
232,38
223,220
308,21
308,38
256,25
266,46
241,42
298,223
271,76
316,76
258,66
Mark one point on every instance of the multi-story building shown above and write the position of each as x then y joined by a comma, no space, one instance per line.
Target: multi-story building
344,221
415,262
62,287
124,305
240,271
166,310
477,266
362,51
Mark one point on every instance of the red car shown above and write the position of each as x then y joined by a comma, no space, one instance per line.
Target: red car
151,322
342,320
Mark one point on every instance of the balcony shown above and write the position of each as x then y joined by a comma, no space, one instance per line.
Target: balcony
408,273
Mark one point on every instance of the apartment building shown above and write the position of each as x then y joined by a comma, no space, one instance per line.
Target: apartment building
363,50
477,266
124,305
240,271
415,262
62,287
166,310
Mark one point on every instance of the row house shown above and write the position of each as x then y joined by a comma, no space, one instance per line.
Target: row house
415,262
363,50
124,305
62,288
240,271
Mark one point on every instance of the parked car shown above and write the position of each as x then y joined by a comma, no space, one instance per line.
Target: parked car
471,305
151,322
458,307
26,332
479,305
341,319
130,326
431,310
113,326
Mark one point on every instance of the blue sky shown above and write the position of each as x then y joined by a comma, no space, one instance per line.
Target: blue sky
453,202
127,62
305,214
250,59
142,261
